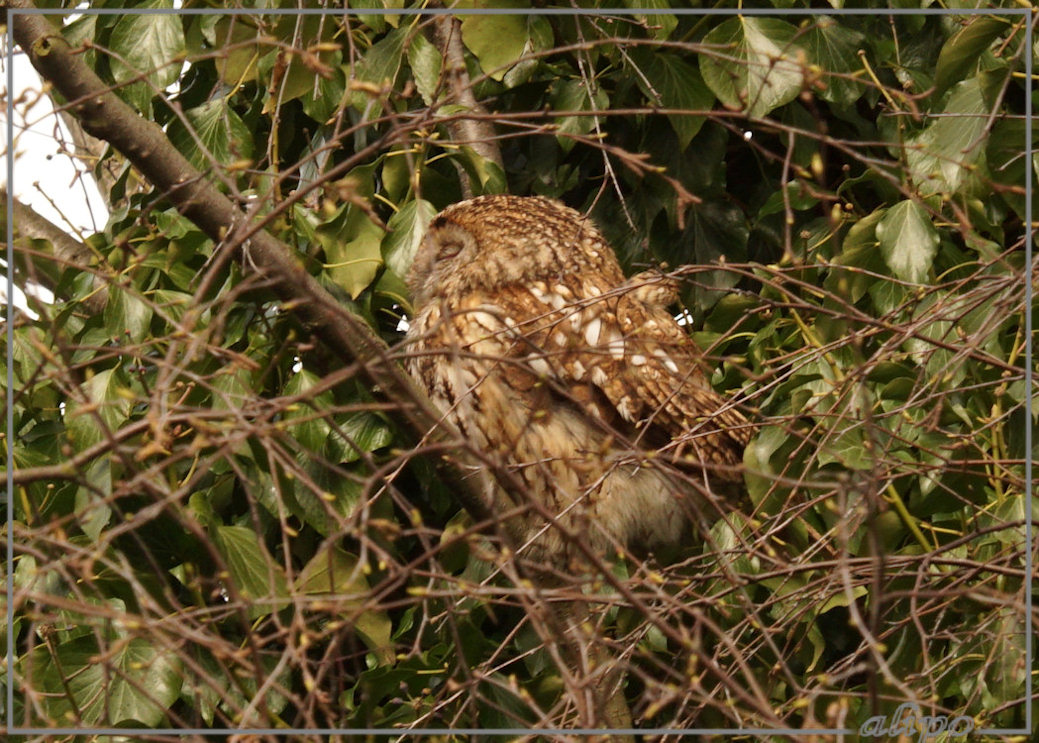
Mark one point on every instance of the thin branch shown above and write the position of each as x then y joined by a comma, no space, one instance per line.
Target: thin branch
105,116
68,251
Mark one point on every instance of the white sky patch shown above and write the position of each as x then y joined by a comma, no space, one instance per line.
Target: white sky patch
45,173
46,176
19,301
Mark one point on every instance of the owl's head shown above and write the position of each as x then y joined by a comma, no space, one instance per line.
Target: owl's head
490,242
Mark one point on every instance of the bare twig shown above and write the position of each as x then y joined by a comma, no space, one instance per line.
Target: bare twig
106,117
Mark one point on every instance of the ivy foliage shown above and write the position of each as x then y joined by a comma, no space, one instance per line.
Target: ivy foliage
218,524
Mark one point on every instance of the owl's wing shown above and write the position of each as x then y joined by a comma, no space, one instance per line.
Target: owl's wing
622,356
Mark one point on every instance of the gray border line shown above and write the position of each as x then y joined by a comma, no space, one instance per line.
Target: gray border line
1029,370
527,11
8,499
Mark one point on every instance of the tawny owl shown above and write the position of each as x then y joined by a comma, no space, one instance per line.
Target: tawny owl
530,340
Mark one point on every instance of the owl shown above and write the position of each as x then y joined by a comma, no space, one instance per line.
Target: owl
529,339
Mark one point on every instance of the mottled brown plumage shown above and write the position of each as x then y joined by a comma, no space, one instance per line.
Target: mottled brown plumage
530,339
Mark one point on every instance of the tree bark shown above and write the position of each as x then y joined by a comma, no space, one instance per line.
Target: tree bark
105,116
29,224
477,132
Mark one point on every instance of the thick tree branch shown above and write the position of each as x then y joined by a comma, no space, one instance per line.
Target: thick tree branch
67,250
476,132
105,116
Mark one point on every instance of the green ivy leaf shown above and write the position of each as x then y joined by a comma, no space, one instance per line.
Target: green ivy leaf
324,96
497,41
327,498
339,574
846,446
81,30
573,95
407,227
107,397
961,51
859,258
661,25
148,45
217,136
304,72
760,474
797,194
313,430
380,65
353,249
126,315
239,40
834,48
232,388
756,67
362,432
172,304
489,176
908,241
717,231
357,262
255,575
93,511
540,38
213,686
426,62
1006,163
941,156
669,81
128,681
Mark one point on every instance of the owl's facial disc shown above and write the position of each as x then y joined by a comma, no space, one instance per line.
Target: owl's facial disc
445,247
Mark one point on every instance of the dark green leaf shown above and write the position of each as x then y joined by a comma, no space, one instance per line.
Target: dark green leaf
93,505
406,230
718,231
341,575
1005,154
363,432
753,64
660,24
254,574
497,41
214,135
961,51
835,48
669,81
130,680
148,46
